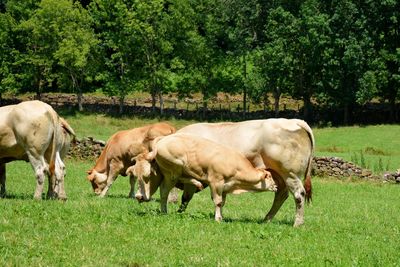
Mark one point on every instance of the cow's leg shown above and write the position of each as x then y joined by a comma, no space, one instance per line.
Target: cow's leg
56,180
132,181
297,189
60,175
218,197
40,168
188,192
2,180
115,168
281,195
166,185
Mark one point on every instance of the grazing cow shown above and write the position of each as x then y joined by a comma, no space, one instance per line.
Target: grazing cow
120,153
282,146
194,160
32,131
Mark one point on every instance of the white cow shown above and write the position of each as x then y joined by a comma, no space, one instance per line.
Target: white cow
283,146
32,131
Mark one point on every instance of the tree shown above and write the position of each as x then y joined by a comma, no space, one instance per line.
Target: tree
241,19
121,67
6,47
275,59
351,48
382,22
155,46
76,48
310,52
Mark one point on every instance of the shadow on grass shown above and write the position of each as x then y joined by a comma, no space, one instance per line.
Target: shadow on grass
119,196
21,196
28,196
256,221
200,216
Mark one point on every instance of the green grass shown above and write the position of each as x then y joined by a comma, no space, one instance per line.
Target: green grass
373,147
347,224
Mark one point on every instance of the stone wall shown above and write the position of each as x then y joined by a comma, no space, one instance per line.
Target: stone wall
90,148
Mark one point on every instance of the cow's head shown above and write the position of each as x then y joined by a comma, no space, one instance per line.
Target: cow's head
142,170
267,180
98,180
148,177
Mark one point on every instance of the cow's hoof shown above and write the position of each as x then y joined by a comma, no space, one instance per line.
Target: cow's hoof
62,197
298,223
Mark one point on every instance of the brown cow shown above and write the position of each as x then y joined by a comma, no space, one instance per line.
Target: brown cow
194,160
119,154
32,131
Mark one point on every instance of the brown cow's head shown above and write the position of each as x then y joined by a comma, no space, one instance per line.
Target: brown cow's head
98,180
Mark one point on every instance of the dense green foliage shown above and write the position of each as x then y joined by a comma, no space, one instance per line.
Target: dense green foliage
338,53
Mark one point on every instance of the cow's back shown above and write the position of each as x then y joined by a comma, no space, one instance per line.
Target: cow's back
27,125
284,145
33,124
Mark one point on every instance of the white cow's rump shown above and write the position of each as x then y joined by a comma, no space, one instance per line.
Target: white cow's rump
32,131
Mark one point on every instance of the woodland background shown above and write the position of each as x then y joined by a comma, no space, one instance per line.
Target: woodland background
333,56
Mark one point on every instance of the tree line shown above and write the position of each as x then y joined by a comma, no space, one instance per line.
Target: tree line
333,53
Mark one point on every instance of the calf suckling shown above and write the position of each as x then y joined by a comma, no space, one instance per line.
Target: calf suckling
195,161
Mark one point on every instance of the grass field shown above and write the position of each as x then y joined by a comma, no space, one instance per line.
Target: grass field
348,223
373,147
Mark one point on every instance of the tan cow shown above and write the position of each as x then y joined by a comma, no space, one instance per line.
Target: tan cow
194,160
283,146
32,131
119,154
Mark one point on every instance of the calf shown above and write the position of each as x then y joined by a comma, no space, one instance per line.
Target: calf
120,153
194,160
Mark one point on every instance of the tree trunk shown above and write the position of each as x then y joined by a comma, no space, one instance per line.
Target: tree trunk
205,107
121,104
153,100
266,103
80,98
307,115
277,96
160,97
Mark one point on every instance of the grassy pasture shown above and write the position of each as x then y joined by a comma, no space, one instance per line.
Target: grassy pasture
348,223
373,147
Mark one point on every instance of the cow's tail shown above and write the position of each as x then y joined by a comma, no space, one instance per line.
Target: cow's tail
54,145
153,152
307,175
